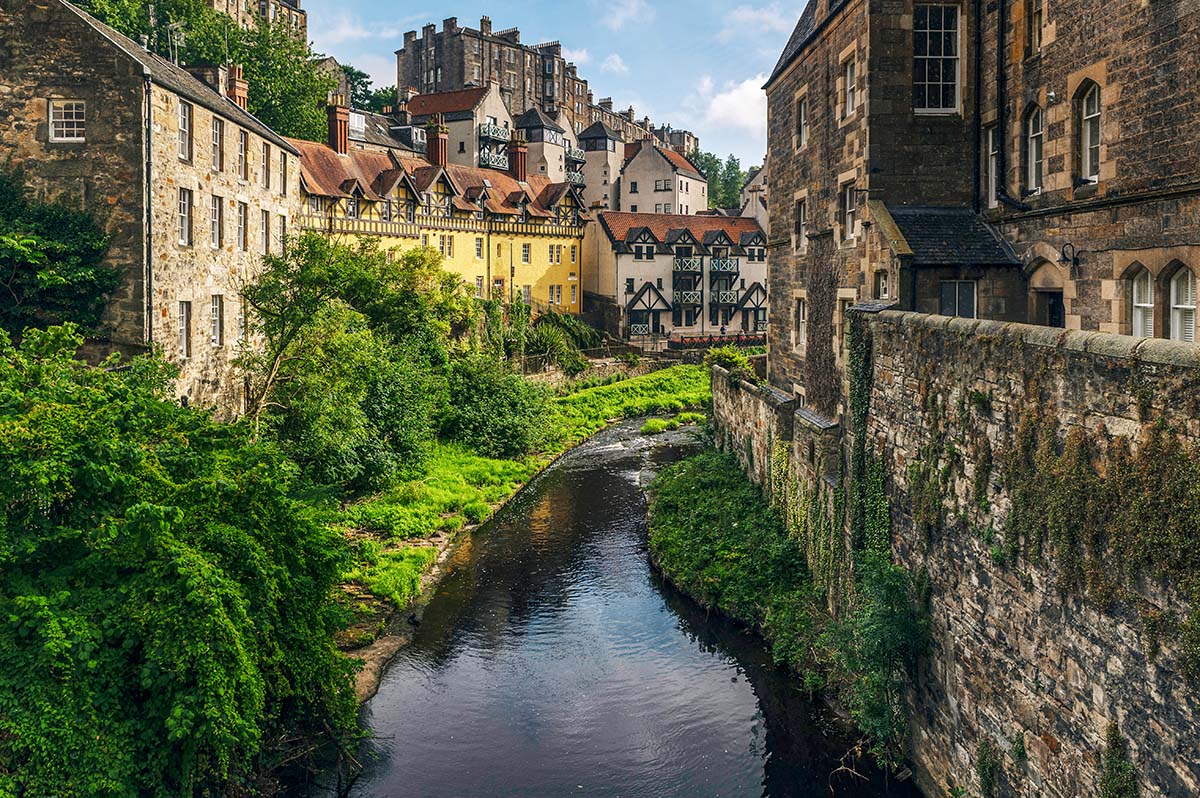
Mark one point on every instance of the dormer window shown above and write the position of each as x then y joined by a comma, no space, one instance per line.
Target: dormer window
643,251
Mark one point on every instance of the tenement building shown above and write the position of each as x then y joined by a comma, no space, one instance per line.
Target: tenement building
191,188
1014,160
508,234
249,12
654,277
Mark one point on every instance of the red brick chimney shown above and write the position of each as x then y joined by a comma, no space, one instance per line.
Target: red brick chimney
437,144
517,153
339,124
238,89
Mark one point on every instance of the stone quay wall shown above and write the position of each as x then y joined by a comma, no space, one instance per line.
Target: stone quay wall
1017,651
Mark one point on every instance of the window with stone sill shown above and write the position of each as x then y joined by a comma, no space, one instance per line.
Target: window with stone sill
1089,134
218,144
185,217
68,121
1034,138
849,87
935,58
185,131
1142,305
849,212
1183,306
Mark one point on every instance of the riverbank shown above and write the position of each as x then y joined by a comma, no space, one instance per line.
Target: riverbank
404,539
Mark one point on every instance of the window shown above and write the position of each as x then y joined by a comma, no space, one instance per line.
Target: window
266,165
633,209
633,187
316,205
283,173
67,120
185,330
264,227
572,255
243,223
527,294
935,58
216,221
574,294
800,323
1089,135
1142,317
667,208
629,285
446,246
991,176
1183,306
550,295
282,228
525,252
243,155
958,298
558,294
351,207
658,208
185,131
849,88
801,123
479,286
1033,150
881,284
801,225
478,248
849,211
218,144
216,322
643,251
243,323
185,217
1033,24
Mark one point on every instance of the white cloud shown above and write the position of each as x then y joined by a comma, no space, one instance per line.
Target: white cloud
615,64
737,107
337,28
746,21
381,68
619,13
578,57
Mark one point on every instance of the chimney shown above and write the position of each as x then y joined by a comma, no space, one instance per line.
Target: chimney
517,153
339,124
437,143
237,88
485,26
215,77
406,93
450,24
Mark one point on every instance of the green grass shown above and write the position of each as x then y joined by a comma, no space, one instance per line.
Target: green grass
691,418
393,574
654,426
667,391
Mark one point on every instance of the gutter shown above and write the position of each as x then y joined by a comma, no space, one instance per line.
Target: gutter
147,214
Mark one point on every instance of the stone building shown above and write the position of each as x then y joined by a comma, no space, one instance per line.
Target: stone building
248,12
659,180
553,148
604,155
507,233
654,276
684,142
477,122
1011,161
754,195
191,188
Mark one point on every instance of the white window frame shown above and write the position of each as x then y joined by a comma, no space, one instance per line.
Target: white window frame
186,210
928,59
216,322
68,121
266,169
264,231
243,231
187,115
218,144
800,323
243,155
1035,176
1141,315
849,87
1089,135
216,221
957,309
525,253
993,165
1183,306
185,330
849,202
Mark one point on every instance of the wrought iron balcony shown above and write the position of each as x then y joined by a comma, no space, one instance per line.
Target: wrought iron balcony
723,265
575,154
494,160
724,297
575,178
687,265
760,326
494,132
686,298
639,329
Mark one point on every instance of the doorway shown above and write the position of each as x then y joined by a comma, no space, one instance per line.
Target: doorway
1049,310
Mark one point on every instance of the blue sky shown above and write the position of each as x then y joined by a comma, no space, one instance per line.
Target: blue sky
696,64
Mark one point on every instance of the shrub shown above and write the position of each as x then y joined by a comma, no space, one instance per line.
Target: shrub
654,426
492,410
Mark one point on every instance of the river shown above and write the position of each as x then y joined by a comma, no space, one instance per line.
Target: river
553,661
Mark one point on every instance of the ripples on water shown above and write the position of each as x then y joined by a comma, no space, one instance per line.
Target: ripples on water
553,662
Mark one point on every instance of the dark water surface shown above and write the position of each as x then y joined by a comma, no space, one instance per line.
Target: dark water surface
553,662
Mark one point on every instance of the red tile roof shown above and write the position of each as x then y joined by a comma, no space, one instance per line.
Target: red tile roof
617,225
446,102
325,172
679,162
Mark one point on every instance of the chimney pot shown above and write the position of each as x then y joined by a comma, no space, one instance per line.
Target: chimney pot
339,124
437,143
237,88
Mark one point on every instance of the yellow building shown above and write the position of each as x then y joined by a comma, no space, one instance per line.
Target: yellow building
507,234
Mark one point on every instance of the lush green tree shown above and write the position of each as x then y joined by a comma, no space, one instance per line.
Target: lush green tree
732,178
165,606
492,410
381,98
360,86
725,178
51,264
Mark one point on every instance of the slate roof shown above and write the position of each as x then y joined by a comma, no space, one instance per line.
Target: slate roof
377,130
940,236
535,117
178,80
327,174
599,130
803,32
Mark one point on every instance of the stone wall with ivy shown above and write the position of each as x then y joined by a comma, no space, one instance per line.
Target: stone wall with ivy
1046,485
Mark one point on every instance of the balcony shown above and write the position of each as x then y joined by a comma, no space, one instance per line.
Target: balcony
723,265
575,154
687,298
724,297
575,178
493,160
494,132
687,265
639,329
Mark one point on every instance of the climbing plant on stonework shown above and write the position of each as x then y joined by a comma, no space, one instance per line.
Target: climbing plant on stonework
52,266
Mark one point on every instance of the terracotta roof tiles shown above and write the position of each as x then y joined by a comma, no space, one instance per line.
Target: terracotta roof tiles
446,102
617,225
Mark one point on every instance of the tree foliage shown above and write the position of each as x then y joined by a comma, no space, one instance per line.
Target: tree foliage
52,266
494,411
165,605
725,178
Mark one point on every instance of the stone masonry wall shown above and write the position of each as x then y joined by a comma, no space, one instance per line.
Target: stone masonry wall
1014,653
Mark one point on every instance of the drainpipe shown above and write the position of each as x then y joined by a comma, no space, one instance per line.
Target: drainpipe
1001,105
147,214
976,180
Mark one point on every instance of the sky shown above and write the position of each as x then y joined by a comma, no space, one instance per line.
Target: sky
694,64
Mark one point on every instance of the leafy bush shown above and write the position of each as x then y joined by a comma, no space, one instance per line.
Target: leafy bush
727,357
654,426
691,418
492,410
167,613
1118,778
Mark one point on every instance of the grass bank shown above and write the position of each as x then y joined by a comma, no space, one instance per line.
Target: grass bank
399,534
714,535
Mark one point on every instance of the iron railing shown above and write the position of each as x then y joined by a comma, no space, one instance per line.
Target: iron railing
575,154
494,160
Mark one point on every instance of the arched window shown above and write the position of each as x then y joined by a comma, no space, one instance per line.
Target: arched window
1089,134
1142,316
1183,306
1034,137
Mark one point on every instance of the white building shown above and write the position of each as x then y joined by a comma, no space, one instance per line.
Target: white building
657,180
604,154
659,275
478,121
